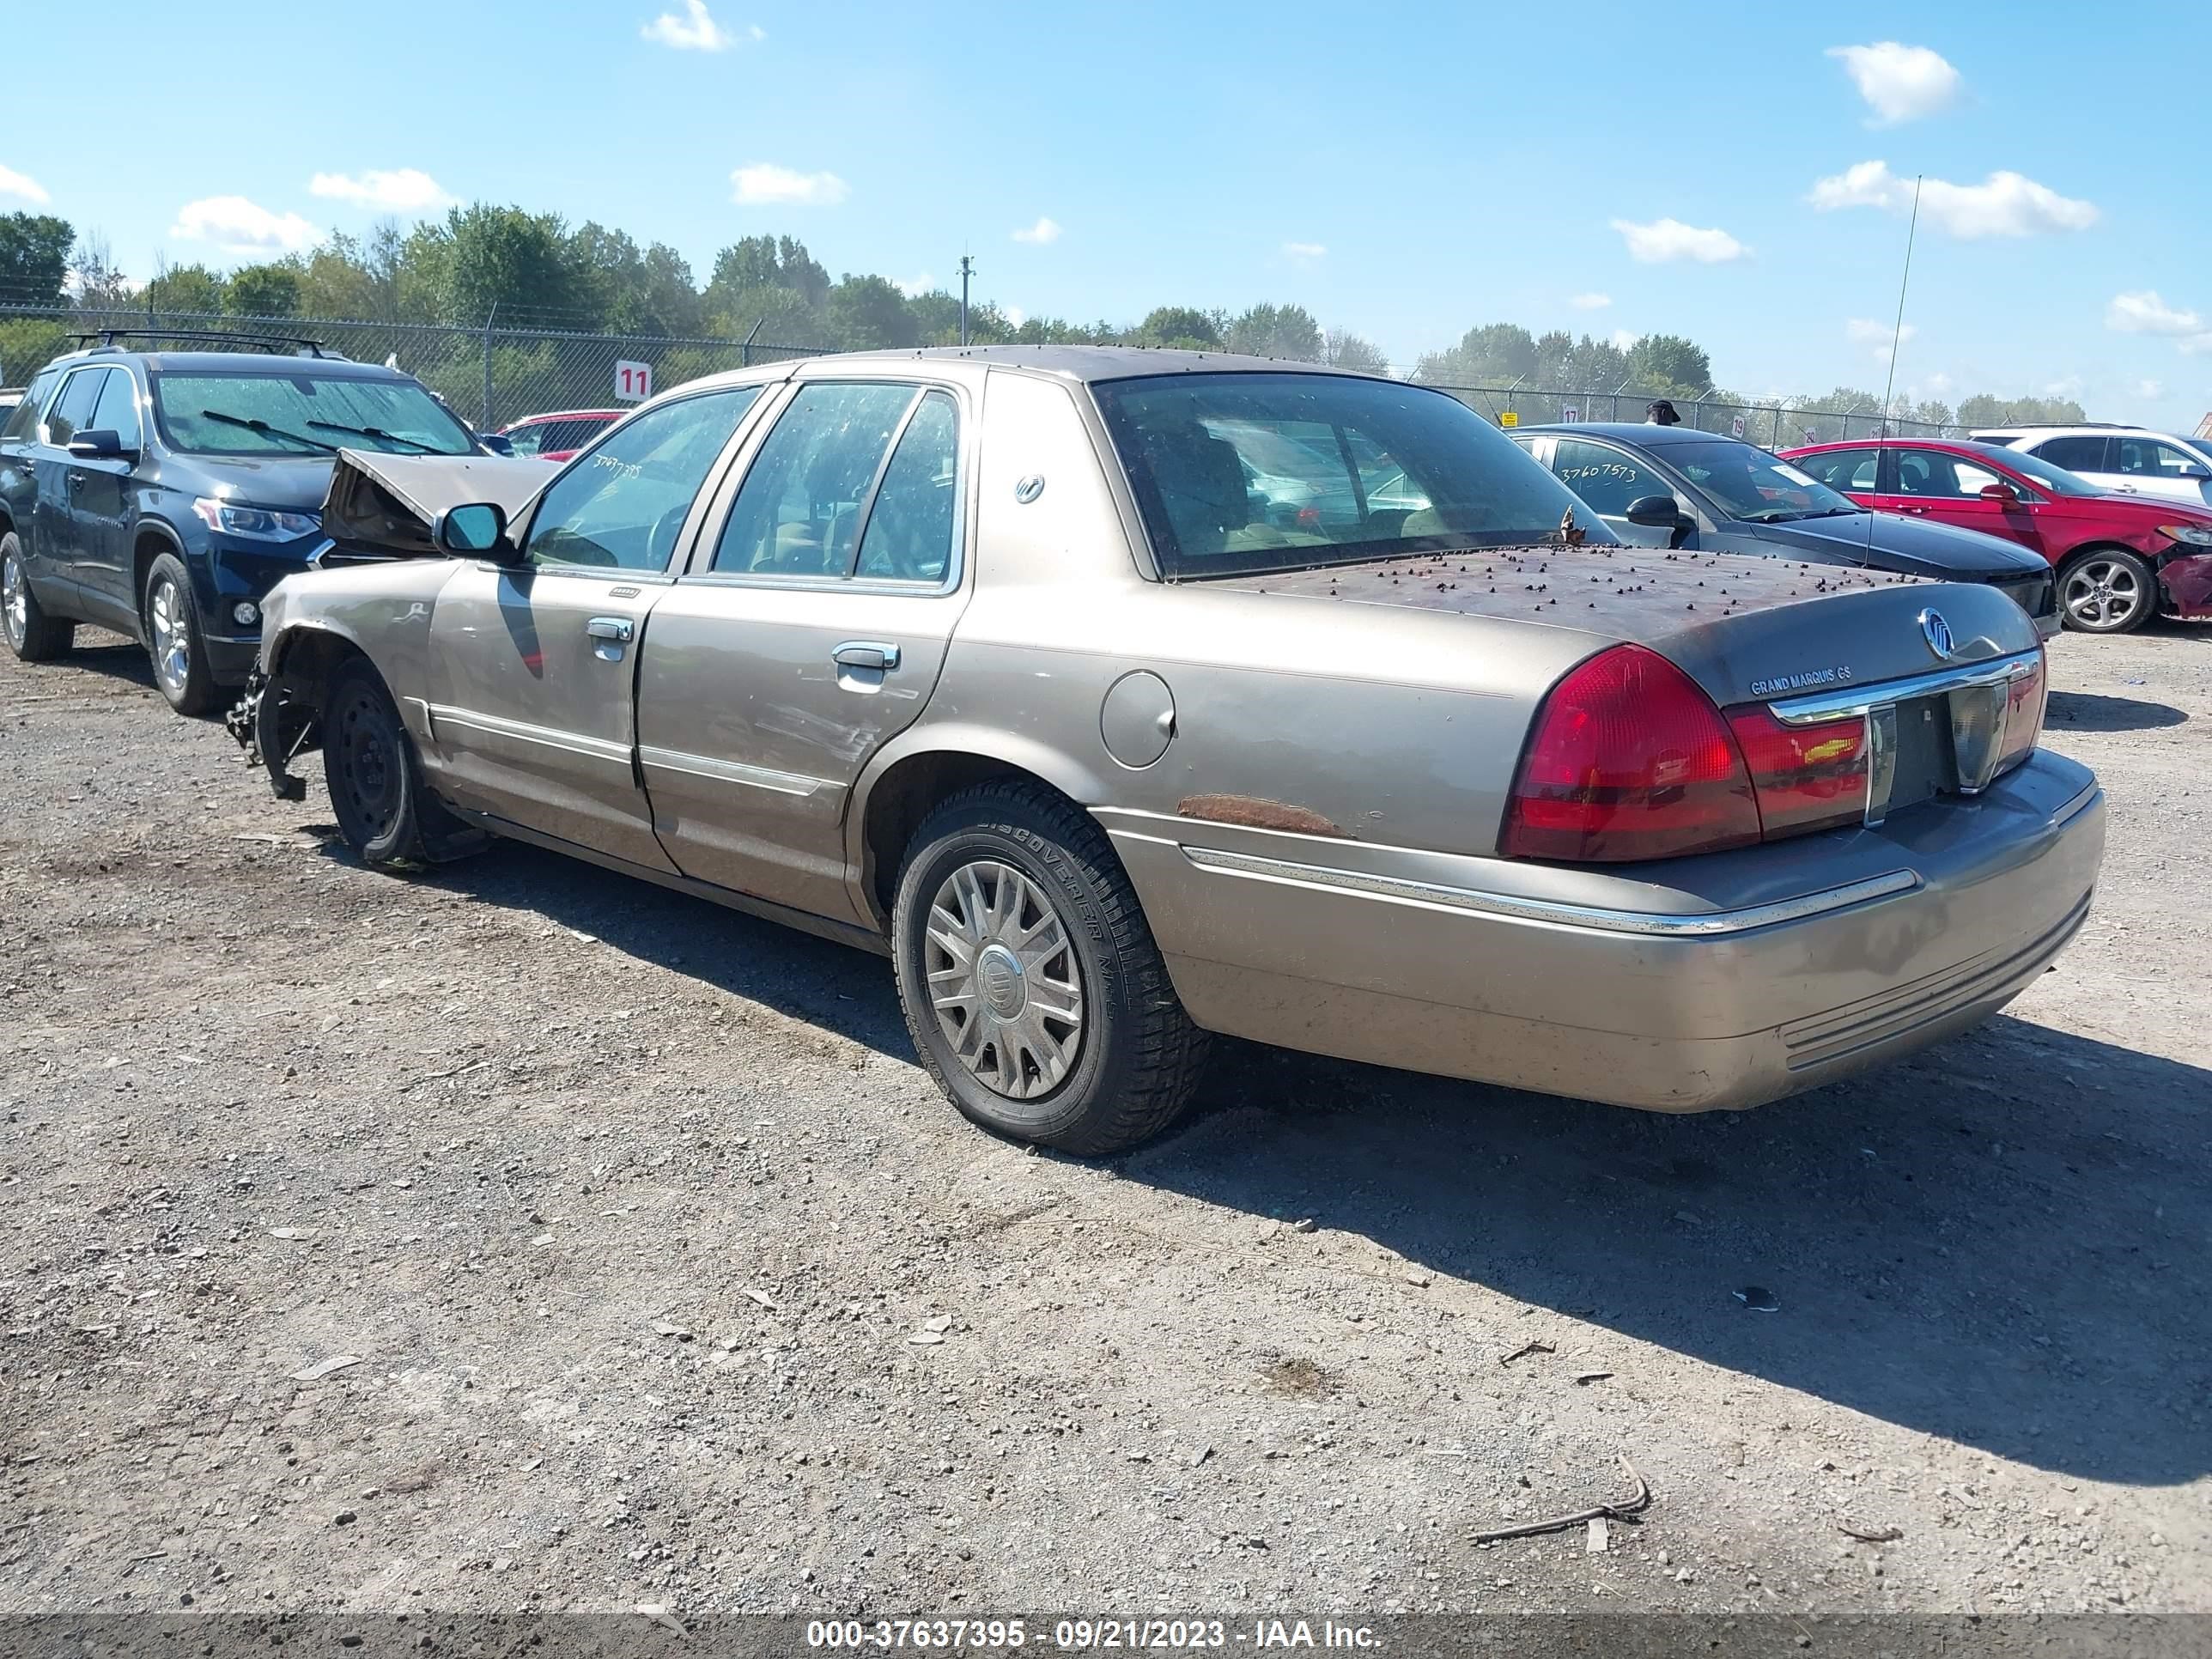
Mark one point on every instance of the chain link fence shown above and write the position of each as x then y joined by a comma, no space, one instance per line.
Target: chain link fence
1771,425
490,376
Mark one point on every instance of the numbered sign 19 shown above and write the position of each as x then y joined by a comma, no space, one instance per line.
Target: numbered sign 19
633,382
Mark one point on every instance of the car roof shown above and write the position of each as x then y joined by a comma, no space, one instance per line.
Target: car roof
1101,363
1648,434
1901,440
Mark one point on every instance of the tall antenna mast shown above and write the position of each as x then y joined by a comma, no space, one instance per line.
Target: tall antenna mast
1897,335
967,270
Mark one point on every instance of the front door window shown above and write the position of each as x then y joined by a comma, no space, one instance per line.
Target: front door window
621,505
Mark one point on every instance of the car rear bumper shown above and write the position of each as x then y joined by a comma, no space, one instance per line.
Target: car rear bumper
1797,962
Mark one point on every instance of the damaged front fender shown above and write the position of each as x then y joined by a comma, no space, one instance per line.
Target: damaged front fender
273,728
2187,579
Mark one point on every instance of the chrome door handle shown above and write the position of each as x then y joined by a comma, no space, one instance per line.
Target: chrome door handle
869,653
609,627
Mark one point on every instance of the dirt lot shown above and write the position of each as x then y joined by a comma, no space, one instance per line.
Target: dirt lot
672,1280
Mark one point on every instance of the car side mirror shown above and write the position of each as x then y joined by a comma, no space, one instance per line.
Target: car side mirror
1655,512
2004,494
498,442
476,530
97,445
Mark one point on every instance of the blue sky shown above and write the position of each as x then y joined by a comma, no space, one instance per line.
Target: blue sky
1403,171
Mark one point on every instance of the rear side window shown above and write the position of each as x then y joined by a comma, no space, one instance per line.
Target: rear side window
799,511
23,419
2083,454
2147,457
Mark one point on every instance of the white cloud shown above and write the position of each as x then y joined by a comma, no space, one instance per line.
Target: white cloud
1866,332
2151,389
238,226
1590,301
405,190
921,282
1899,82
696,30
1623,338
1936,385
1666,240
2144,312
763,183
1015,315
2197,345
1044,230
2004,204
1303,253
22,184
2070,386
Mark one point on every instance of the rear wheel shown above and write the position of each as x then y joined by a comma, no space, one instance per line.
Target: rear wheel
383,808
33,634
2107,589
1032,987
175,639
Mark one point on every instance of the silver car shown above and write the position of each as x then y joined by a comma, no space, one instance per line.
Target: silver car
1125,697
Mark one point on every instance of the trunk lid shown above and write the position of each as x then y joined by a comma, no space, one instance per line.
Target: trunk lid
1746,628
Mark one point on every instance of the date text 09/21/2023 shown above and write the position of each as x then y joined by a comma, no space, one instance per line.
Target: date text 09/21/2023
1083,1635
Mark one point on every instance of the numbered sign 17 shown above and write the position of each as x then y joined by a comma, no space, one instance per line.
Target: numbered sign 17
633,382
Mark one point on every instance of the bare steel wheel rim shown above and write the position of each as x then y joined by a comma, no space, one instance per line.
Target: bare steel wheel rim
17,598
1005,986
368,764
2102,592
172,636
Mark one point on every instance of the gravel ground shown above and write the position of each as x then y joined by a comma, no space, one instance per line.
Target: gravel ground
669,1279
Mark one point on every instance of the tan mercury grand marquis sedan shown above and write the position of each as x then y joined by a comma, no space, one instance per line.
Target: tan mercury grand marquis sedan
1123,698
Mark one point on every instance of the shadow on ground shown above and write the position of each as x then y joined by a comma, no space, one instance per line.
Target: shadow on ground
2001,1241
2084,711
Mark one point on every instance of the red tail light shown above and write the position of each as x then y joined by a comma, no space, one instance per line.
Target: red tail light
1805,777
1630,760
2023,715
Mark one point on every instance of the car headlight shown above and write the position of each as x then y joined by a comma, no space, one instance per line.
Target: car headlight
255,523
2193,535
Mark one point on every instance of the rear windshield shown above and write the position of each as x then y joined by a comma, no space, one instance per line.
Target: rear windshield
1239,473
302,414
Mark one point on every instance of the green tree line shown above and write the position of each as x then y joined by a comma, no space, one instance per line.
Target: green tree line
484,264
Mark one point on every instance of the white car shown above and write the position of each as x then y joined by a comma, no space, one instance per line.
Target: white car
2129,458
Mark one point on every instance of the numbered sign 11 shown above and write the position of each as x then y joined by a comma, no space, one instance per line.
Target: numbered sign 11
633,382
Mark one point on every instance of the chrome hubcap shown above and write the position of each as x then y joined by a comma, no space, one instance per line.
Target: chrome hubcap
172,636
1004,983
2099,593
16,596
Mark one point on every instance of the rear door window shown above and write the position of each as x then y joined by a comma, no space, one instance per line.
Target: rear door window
2146,457
2082,454
1842,469
799,511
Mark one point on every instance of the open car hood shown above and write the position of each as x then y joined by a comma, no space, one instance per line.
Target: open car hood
386,504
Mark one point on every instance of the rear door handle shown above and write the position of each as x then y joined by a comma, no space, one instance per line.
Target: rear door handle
611,628
866,654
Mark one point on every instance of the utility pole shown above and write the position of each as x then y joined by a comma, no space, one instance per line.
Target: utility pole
967,270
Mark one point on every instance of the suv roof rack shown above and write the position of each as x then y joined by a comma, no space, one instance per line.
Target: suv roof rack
300,344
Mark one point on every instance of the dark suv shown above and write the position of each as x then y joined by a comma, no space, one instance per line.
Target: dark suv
162,493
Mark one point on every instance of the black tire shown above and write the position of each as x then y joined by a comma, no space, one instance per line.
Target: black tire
1136,1056
176,644
33,634
387,813
2106,590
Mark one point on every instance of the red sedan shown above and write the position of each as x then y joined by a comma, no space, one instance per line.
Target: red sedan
2120,559
558,435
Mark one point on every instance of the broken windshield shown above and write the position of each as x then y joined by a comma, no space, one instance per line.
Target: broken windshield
214,413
